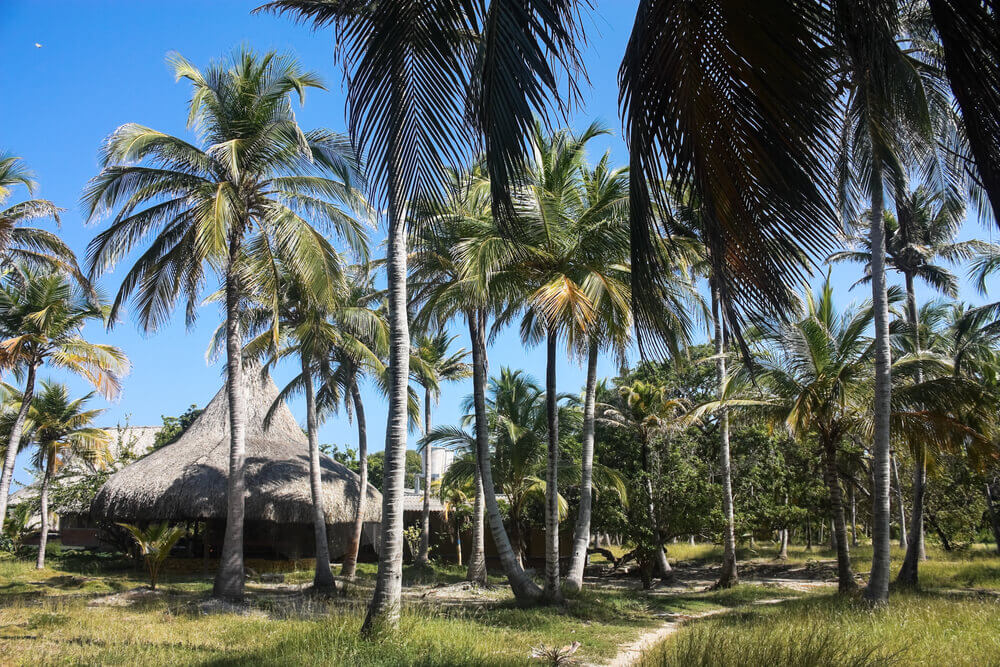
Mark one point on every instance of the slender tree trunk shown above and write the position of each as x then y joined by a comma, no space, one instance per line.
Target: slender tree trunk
525,590
383,611
14,442
902,507
809,535
477,554
229,578
994,514
425,524
581,533
43,539
552,591
845,575
659,555
854,518
877,590
908,572
323,578
783,544
349,567
728,575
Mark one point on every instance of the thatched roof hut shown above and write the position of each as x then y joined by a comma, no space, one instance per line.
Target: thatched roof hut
186,480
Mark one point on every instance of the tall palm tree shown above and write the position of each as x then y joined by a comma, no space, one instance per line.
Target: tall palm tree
247,186
61,428
29,245
42,317
438,365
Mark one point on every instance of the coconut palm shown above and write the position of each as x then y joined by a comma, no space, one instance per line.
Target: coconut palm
648,412
246,186
29,245
438,365
60,427
42,316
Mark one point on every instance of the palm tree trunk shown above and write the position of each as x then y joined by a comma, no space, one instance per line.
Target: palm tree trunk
908,572
845,575
552,591
350,564
728,575
659,556
854,518
994,514
525,590
229,578
383,611
323,578
14,442
902,507
581,533
425,525
477,553
877,590
43,539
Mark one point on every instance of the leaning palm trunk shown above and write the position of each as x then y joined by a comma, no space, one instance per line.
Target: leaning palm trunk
728,576
15,441
384,607
323,578
877,590
525,590
477,552
659,555
229,579
845,575
581,533
552,592
350,564
425,533
43,539
994,514
908,572
899,500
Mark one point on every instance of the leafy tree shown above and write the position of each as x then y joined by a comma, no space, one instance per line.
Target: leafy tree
173,427
155,543
376,469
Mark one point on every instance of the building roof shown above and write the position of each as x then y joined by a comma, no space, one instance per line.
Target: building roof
186,480
413,501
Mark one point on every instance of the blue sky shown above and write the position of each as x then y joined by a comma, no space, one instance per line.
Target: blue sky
101,64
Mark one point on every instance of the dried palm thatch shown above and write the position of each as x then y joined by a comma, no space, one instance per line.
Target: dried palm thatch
186,480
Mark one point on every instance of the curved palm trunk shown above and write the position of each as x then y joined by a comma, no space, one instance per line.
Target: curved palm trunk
902,508
908,572
43,539
581,533
552,591
845,575
659,555
15,441
877,590
323,578
229,578
728,575
525,590
350,564
383,610
425,533
477,554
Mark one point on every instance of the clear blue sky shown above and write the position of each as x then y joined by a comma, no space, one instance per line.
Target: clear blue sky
101,64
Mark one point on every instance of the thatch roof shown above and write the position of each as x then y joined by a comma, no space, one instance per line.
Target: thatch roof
186,480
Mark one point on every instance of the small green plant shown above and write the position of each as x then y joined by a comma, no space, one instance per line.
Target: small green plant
155,543
556,655
15,528
412,537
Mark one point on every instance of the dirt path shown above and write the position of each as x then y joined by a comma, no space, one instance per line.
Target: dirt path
629,654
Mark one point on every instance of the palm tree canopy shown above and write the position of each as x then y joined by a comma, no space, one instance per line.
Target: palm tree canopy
60,426
253,172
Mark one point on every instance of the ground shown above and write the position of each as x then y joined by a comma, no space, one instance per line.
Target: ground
93,610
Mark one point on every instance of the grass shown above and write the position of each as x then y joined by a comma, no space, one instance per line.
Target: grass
916,629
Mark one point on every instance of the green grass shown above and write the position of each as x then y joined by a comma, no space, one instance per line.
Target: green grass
916,629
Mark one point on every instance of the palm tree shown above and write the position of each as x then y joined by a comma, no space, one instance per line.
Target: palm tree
648,412
437,366
60,427
41,320
417,76
29,245
247,186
